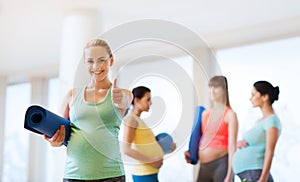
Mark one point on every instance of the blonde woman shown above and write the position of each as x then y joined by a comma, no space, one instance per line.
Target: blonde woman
95,112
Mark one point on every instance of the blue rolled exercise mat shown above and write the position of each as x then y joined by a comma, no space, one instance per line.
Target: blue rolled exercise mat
41,121
196,135
165,141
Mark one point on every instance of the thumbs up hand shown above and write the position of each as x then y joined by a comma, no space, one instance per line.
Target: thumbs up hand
121,98
117,94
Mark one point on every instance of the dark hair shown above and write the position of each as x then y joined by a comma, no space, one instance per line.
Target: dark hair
221,81
264,87
139,92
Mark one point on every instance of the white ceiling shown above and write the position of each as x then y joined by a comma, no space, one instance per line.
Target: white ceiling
30,30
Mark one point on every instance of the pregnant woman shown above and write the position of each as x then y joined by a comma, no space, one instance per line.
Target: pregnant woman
252,161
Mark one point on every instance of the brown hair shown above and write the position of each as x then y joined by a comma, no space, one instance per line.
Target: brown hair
221,81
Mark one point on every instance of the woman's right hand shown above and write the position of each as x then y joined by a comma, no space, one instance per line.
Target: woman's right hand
241,144
58,138
157,162
187,157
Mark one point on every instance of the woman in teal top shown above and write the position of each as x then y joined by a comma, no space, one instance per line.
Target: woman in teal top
95,112
252,161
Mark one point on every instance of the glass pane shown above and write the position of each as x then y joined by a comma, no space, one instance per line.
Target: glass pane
54,156
16,138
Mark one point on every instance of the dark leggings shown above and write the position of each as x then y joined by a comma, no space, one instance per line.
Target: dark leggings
253,175
115,179
214,171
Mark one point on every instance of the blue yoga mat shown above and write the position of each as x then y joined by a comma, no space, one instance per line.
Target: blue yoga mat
165,141
196,135
42,121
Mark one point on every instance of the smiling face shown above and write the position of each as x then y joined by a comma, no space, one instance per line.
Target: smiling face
98,62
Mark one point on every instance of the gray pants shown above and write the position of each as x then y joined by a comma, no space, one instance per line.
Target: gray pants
214,171
253,175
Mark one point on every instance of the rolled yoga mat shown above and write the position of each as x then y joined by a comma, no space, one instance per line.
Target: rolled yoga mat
42,121
196,135
165,141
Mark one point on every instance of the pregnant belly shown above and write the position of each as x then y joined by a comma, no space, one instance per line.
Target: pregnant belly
211,154
249,157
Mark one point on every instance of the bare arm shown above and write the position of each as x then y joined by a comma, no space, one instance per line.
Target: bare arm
64,110
271,137
130,126
232,130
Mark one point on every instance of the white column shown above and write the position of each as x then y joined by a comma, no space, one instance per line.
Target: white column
37,145
204,68
2,117
79,26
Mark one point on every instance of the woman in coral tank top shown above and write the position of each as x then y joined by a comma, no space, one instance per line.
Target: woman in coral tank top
218,142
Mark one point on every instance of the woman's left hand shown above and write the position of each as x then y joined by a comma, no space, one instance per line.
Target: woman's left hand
173,147
121,98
